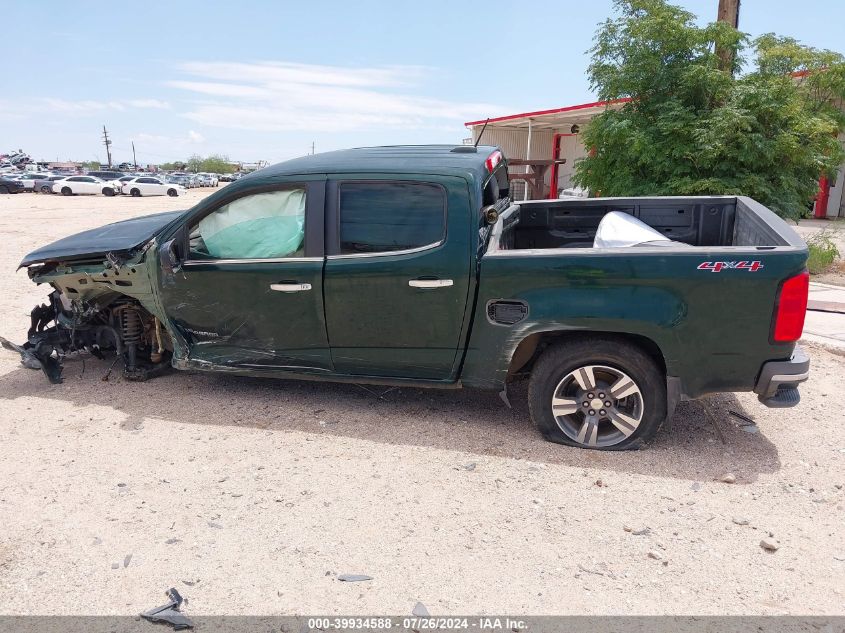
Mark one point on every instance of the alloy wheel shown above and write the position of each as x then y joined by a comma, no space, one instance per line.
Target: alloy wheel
597,406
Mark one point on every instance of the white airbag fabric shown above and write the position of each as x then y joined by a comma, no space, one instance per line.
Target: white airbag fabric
261,226
618,229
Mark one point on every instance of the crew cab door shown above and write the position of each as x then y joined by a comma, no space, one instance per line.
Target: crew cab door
250,292
397,274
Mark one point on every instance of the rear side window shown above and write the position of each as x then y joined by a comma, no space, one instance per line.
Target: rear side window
379,217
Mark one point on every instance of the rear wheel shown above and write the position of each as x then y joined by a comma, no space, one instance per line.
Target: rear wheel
172,193
135,193
45,189
600,393
4,190
66,191
107,191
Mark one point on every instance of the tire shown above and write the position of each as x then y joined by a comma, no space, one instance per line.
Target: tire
172,193
108,192
4,190
573,371
135,193
45,189
66,191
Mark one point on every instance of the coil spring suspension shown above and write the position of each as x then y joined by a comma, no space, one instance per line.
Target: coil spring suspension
131,330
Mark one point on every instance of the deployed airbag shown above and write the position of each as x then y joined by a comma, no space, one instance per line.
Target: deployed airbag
261,226
618,229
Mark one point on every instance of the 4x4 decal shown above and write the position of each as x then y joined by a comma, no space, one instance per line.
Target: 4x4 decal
717,267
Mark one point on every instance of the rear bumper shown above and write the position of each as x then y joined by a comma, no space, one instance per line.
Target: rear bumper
784,374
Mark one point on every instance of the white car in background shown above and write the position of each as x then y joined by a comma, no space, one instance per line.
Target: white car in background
149,186
73,185
208,179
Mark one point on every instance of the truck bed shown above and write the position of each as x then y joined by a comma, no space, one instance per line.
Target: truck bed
700,221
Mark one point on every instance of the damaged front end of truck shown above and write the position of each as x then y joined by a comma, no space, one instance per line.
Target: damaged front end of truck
102,303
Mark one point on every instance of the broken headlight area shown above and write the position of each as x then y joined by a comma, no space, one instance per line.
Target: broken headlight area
64,327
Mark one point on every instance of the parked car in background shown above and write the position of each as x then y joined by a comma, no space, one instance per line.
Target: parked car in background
29,179
149,186
226,178
107,175
45,183
178,179
208,180
73,185
10,185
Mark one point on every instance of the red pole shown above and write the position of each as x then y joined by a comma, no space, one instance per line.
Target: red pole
822,197
555,158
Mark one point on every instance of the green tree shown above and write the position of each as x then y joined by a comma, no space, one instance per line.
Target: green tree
217,164
690,128
194,163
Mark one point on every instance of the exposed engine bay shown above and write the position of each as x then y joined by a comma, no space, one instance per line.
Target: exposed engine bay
63,327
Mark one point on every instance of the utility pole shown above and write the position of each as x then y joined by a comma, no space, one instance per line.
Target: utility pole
313,147
107,143
728,12
134,160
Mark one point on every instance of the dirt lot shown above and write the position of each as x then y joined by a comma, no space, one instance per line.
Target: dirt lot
252,496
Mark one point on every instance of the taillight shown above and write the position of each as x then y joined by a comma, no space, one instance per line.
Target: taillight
791,308
493,161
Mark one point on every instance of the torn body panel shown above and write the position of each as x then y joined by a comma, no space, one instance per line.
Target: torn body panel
98,308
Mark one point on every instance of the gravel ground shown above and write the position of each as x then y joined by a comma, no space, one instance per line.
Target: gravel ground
253,496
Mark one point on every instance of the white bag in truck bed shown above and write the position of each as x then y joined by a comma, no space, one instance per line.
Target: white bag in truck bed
618,229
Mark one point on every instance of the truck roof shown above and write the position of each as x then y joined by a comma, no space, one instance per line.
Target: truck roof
437,159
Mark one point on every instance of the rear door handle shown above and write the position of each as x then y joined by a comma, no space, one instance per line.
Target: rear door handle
290,287
430,283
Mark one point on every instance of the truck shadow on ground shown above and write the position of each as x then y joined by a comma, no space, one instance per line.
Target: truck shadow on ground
476,422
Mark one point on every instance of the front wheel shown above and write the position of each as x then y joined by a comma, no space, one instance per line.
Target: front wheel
66,191
172,193
600,393
135,193
45,189
4,190
108,192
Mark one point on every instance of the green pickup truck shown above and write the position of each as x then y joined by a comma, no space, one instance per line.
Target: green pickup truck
413,266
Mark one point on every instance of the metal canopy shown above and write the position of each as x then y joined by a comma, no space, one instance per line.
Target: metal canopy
554,119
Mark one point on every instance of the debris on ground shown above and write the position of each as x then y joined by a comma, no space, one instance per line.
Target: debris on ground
640,531
742,417
169,613
420,611
728,478
769,544
655,555
740,520
353,577
126,560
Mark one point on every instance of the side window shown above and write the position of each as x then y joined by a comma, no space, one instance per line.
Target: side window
378,217
267,225
76,179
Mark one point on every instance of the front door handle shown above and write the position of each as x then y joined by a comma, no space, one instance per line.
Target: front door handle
430,283
290,287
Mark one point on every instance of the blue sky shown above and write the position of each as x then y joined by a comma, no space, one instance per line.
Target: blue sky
262,79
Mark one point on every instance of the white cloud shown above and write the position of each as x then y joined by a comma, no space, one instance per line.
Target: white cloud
88,105
151,104
281,96
164,141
